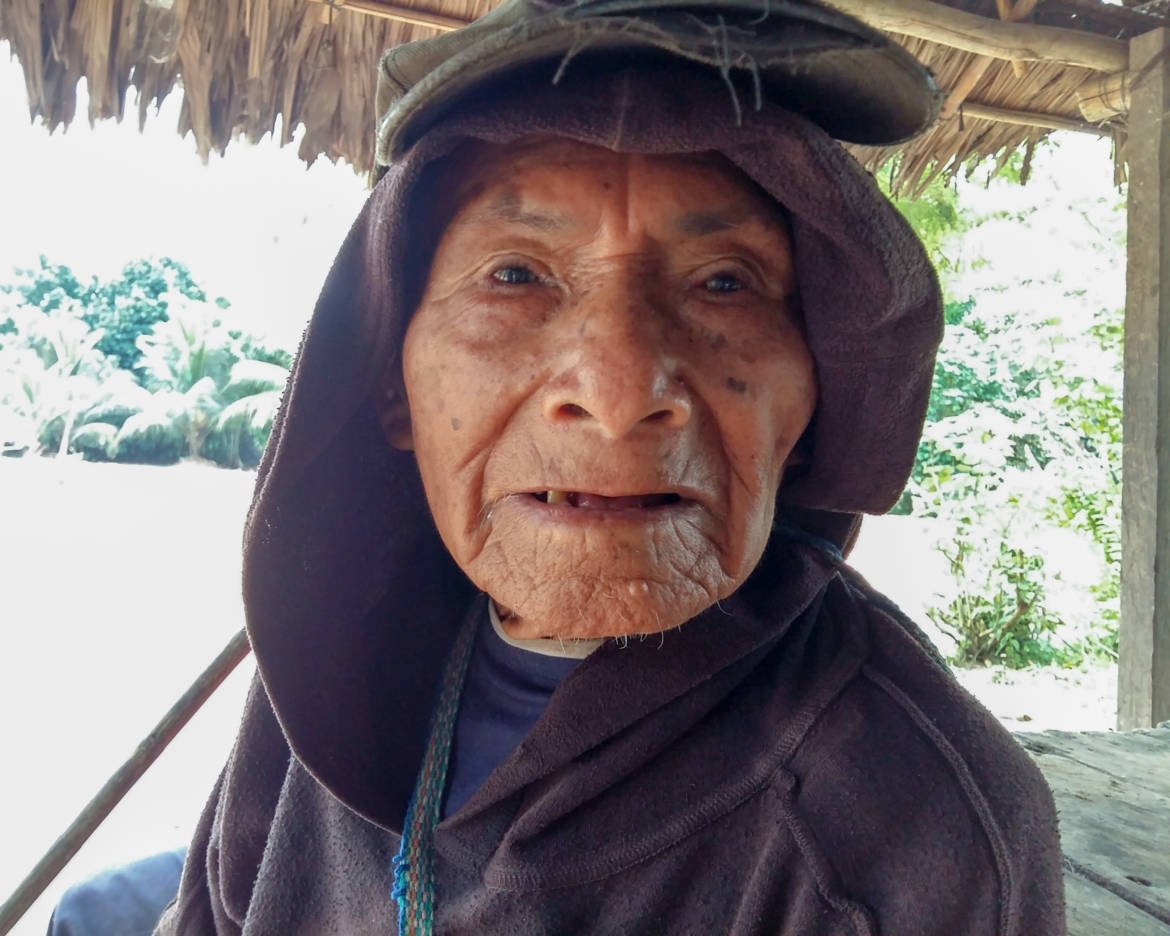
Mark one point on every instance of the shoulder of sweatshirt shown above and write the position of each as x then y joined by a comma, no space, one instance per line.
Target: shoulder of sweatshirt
928,809
224,858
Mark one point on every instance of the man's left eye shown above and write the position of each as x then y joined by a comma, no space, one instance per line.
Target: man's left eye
723,283
514,274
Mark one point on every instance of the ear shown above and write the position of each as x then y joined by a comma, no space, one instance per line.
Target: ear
801,453
394,414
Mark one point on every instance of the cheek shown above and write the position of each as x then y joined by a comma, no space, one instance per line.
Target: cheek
764,422
462,388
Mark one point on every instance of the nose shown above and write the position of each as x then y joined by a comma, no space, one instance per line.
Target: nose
621,375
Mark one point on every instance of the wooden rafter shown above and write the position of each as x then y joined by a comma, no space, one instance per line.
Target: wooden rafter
1009,13
923,19
398,13
1031,119
879,14
957,29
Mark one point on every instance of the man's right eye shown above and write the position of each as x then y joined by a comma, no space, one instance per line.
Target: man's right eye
514,275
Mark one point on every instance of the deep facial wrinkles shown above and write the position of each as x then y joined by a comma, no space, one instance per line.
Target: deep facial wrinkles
560,376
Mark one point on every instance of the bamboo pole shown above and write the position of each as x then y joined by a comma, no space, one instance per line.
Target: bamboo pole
1024,42
1031,119
1018,42
401,14
964,86
1014,13
120,783
977,68
1103,97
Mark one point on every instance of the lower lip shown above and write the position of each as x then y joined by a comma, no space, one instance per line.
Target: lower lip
565,513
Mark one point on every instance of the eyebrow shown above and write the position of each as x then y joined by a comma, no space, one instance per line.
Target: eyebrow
700,223
509,207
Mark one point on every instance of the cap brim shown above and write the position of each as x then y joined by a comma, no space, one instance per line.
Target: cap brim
851,80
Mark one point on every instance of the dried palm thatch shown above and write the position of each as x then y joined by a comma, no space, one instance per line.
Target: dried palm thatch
960,139
241,64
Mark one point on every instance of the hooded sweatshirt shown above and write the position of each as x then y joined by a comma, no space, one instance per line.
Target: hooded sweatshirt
796,760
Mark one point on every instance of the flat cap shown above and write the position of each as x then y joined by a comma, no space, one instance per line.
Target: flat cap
850,79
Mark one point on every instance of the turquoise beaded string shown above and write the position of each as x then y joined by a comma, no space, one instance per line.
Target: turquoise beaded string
414,880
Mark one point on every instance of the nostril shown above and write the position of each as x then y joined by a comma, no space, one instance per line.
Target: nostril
573,411
662,415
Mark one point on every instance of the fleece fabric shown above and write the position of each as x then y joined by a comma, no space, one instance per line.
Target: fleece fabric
793,761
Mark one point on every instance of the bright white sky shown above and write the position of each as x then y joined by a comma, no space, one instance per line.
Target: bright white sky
256,226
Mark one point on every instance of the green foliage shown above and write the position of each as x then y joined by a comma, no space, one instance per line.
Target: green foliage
1004,617
935,217
1001,612
252,348
122,309
129,307
173,381
149,438
95,441
47,287
50,371
1022,442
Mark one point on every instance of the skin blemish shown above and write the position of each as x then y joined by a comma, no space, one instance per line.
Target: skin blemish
739,386
456,423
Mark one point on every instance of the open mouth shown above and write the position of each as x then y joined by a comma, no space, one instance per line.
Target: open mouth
589,501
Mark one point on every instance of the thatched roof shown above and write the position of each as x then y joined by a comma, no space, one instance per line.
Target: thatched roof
240,64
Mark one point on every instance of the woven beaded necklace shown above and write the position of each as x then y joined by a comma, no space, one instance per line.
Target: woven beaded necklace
414,875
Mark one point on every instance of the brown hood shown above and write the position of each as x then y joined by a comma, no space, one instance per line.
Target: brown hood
343,566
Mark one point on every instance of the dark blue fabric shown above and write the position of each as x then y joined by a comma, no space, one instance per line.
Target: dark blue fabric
504,694
125,901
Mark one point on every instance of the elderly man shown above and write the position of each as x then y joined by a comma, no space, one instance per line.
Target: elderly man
544,570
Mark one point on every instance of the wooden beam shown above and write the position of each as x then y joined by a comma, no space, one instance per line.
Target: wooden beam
964,86
401,14
1018,42
1103,97
1031,119
1143,673
957,29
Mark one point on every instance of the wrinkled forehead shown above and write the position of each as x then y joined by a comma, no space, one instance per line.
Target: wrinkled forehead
509,178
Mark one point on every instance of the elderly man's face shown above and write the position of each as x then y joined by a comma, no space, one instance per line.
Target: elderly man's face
606,377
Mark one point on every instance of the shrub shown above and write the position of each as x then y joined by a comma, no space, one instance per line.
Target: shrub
149,438
130,306
1000,613
94,441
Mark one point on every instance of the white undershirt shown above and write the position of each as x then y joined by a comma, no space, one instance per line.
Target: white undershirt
575,648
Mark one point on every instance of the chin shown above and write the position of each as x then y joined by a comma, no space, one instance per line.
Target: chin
612,607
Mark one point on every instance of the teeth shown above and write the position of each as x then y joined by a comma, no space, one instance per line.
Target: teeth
557,497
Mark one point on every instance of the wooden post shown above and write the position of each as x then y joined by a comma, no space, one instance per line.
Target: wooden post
1143,678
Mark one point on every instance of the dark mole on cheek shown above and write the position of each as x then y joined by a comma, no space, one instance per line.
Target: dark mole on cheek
456,423
739,386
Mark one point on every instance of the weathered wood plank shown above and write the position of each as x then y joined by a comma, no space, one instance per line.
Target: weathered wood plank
1141,758
1113,798
1094,911
1143,678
